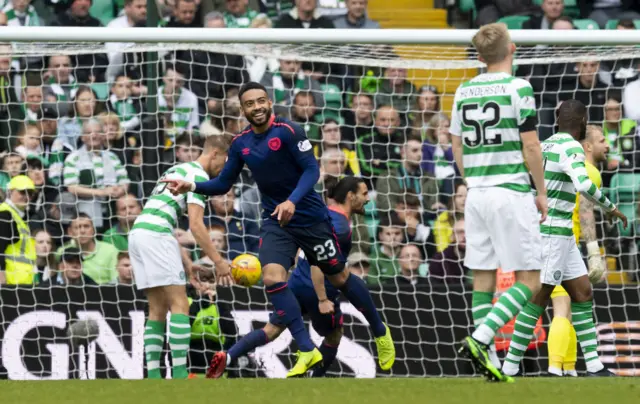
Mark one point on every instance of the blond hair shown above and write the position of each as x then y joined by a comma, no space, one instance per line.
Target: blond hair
261,20
492,42
592,130
111,118
434,124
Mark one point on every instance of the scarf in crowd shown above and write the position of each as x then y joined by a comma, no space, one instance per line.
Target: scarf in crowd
15,18
58,90
123,108
280,92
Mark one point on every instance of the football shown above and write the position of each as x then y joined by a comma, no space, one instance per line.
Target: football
246,270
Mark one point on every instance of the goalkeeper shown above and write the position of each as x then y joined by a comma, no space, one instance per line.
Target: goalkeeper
562,264
562,336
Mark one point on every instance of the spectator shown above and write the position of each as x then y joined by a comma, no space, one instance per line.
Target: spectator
13,164
188,149
331,139
42,194
56,217
358,120
396,91
603,11
492,10
183,15
46,265
11,114
135,15
587,88
3,19
447,266
54,148
89,67
356,16
384,256
256,65
32,97
99,258
379,151
115,139
85,106
237,14
127,210
211,75
408,177
416,231
552,10
178,105
287,81
443,227
242,235
305,113
410,260
124,269
332,164
20,13
121,102
93,174
29,141
359,265
437,155
61,83
71,271
304,15
428,107
17,245
621,136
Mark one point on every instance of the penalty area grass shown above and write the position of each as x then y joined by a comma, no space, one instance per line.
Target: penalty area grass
324,391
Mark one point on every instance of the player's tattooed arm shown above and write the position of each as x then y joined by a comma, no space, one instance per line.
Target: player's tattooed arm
587,220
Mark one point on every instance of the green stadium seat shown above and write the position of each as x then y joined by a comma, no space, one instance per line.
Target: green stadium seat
102,90
370,209
467,6
372,226
629,210
515,21
611,24
586,24
102,10
332,99
624,188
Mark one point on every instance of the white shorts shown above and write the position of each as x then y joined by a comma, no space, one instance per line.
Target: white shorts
156,259
561,260
502,230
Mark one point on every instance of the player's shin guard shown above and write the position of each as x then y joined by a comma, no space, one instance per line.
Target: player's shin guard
507,307
179,338
582,318
571,357
522,335
559,335
247,344
288,310
329,353
153,343
358,294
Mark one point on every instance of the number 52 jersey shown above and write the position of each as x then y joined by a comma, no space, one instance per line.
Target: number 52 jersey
489,113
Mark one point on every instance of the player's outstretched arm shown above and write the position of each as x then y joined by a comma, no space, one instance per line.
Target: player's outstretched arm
201,235
317,277
532,154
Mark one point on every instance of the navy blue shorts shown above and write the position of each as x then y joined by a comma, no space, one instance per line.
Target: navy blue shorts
324,324
279,245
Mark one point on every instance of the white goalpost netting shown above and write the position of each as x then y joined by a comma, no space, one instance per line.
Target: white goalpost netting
94,118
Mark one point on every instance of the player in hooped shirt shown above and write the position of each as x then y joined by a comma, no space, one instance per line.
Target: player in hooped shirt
294,217
317,297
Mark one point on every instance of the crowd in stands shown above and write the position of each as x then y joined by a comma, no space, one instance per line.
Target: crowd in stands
77,163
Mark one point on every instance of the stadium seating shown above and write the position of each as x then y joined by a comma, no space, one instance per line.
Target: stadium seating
515,21
586,24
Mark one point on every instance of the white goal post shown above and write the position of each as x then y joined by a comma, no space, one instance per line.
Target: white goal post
427,315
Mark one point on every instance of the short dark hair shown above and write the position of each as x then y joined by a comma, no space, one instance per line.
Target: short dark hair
82,215
341,189
187,139
409,198
571,114
330,120
123,255
614,94
390,220
252,85
626,23
70,255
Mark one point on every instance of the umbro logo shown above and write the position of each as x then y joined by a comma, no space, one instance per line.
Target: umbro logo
245,151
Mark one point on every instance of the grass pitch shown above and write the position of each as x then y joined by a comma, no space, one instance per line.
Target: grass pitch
324,391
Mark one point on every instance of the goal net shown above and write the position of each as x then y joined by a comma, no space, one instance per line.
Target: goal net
94,126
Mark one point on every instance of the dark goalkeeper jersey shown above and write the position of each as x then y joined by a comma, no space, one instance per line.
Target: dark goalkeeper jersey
284,167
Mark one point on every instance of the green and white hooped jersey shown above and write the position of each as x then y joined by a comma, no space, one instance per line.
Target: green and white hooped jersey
162,211
487,113
565,174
